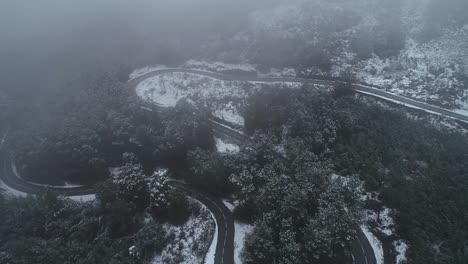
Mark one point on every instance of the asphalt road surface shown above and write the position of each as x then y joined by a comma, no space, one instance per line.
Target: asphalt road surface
225,244
224,253
361,248
8,176
366,90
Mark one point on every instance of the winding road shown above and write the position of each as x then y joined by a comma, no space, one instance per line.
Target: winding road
8,176
361,248
359,88
224,253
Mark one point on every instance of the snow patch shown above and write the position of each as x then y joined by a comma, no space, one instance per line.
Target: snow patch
230,113
231,205
433,72
241,231
462,112
168,89
401,247
70,185
286,72
83,198
383,219
223,98
218,66
224,147
410,106
210,255
191,239
10,192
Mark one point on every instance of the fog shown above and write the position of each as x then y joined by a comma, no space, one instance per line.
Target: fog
43,42
271,131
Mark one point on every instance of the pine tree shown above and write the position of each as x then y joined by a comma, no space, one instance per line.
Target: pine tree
131,180
290,250
159,191
259,246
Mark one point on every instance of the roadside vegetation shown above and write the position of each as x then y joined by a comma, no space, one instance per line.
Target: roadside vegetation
417,169
92,124
313,156
132,220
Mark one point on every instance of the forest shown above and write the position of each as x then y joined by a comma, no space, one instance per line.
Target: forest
309,162
313,163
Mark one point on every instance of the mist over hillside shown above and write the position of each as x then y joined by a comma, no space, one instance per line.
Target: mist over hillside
234,132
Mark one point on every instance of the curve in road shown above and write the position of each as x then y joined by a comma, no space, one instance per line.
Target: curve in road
224,220
224,253
8,176
359,88
361,249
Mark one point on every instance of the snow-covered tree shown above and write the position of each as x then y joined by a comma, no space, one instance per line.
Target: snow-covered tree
134,253
290,251
131,179
259,246
159,191
334,225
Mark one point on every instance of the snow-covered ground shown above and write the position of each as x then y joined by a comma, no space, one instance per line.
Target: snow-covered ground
225,99
210,255
139,72
218,66
375,243
430,72
192,239
224,147
10,192
401,247
230,113
83,198
231,205
286,72
433,71
241,231
382,221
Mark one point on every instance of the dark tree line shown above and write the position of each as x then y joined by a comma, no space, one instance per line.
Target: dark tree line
94,122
